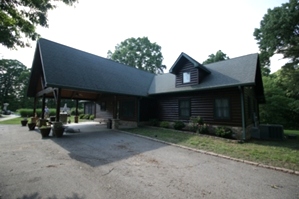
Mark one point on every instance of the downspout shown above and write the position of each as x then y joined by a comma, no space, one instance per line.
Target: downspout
243,114
138,111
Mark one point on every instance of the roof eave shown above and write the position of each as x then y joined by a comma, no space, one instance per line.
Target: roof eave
203,89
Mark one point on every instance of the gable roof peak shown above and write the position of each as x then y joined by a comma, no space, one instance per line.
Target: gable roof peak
184,58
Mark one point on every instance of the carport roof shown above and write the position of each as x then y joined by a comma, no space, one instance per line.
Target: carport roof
66,67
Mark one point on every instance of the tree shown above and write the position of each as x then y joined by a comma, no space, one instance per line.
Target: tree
281,107
139,53
14,77
279,33
215,58
19,18
288,80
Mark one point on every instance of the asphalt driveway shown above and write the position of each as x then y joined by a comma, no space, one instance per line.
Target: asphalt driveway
95,162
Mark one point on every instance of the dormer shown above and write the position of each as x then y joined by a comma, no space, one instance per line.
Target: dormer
188,71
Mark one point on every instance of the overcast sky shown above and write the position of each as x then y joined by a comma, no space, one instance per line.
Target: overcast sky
196,27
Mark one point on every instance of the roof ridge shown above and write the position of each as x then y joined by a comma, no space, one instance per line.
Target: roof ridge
232,58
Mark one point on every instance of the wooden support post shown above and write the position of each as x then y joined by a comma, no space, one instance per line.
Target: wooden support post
43,107
34,107
76,114
58,105
76,107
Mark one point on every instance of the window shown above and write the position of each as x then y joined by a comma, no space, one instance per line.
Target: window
222,108
186,77
127,109
184,108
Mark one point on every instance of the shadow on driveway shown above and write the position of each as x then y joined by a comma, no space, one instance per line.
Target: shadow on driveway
95,145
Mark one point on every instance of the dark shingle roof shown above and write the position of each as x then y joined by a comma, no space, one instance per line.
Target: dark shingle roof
67,67
232,72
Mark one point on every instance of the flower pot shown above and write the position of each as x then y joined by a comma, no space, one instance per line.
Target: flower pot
58,132
24,122
42,122
57,129
45,131
31,126
76,118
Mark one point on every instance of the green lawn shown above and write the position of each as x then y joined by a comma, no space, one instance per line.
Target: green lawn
283,154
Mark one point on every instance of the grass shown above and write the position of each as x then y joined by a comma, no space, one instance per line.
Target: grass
291,132
283,154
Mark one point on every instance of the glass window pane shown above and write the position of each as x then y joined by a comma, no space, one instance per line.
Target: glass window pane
186,77
222,108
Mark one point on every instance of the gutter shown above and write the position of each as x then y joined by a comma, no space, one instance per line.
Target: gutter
243,114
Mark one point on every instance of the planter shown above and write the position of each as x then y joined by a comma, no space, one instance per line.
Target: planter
76,119
58,132
58,129
33,120
24,122
31,126
42,122
45,131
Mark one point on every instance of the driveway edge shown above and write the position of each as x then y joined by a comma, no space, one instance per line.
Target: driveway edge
217,155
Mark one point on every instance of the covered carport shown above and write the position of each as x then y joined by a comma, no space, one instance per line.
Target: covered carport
62,72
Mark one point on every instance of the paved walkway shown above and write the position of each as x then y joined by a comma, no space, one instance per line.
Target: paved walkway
8,117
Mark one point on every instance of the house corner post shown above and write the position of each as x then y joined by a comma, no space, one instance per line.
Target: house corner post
138,111
243,114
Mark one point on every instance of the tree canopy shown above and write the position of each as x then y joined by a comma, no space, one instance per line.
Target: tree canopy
219,56
19,18
139,53
14,77
280,108
279,33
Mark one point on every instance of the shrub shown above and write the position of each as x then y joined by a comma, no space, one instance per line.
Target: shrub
225,132
164,124
86,116
27,112
178,125
203,129
80,111
81,116
195,123
154,122
91,117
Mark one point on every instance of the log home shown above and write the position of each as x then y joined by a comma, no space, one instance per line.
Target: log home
226,93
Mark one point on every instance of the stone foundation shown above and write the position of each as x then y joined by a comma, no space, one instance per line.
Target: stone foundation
121,124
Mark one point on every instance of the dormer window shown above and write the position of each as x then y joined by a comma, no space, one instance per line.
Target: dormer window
186,77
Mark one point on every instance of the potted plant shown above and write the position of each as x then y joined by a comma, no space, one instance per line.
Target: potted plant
31,125
24,121
58,129
45,131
